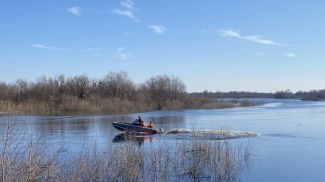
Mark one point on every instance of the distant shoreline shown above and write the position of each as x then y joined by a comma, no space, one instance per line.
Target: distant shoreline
211,104
317,95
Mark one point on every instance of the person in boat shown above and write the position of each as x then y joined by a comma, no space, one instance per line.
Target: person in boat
139,122
143,124
151,125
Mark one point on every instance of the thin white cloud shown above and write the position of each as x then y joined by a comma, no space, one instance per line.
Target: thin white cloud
291,55
86,50
75,10
127,10
128,4
121,54
158,29
126,13
41,46
252,38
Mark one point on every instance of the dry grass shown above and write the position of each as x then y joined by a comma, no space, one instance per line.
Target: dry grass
246,103
24,158
70,105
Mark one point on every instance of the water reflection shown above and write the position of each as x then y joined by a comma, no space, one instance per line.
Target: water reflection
138,139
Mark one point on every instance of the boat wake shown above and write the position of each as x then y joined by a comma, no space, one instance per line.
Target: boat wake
276,104
209,134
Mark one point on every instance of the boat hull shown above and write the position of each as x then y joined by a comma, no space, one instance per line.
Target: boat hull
128,127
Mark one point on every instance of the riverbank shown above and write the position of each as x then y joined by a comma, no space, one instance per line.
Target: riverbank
73,106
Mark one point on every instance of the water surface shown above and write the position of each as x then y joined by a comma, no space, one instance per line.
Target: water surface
290,145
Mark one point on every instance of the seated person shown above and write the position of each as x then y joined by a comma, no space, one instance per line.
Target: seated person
143,124
137,122
151,125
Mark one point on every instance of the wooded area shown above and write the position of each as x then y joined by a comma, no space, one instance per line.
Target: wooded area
114,93
285,94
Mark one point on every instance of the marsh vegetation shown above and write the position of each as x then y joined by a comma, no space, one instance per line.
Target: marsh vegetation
23,157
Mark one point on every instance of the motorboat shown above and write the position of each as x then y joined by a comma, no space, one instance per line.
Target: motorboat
133,127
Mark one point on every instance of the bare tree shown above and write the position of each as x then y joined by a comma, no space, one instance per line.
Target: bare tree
79,86
164,88
117,85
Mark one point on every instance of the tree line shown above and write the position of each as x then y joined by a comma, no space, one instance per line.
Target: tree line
114,93
231,94
305,95
283,94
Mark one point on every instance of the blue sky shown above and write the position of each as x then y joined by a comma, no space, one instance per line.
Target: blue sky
253,45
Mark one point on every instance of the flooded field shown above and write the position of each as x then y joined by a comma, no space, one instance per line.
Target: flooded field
283,140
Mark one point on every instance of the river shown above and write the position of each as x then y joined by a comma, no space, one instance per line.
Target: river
290,145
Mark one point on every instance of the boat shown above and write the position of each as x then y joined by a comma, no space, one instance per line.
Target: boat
131,127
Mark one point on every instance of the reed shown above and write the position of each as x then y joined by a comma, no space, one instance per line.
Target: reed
24,158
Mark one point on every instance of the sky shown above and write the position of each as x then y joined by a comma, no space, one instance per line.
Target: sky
224,45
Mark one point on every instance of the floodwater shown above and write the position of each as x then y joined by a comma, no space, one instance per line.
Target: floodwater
289,144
